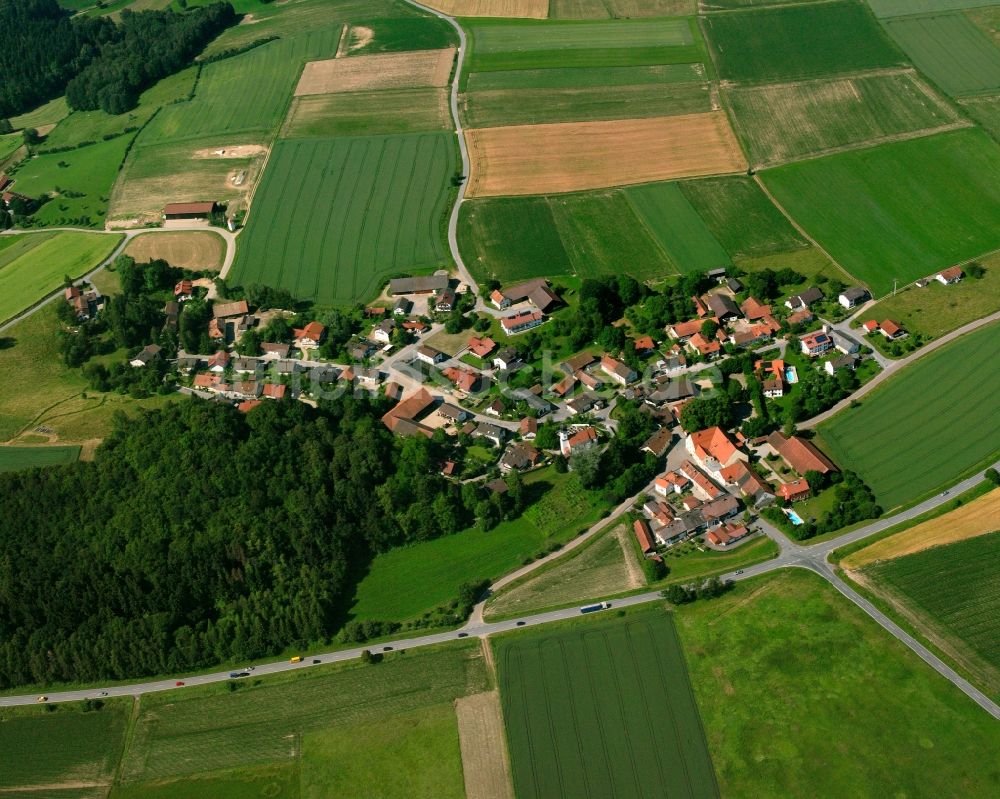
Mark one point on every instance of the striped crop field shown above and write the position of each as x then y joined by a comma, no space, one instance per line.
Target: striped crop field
332,218
600,709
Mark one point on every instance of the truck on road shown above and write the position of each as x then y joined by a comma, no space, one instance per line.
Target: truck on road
595,607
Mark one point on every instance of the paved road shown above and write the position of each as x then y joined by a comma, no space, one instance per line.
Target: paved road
792,555
227,237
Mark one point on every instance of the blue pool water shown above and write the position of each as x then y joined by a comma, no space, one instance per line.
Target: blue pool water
794,517
791,376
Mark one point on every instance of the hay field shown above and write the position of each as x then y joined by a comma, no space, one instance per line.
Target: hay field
782,122
382,71
185,249
484,750
529,9
576,77
365,113
904,449
950,50
185,171
902,8
900,210
539,159
798,41
986,111
978,517
616,9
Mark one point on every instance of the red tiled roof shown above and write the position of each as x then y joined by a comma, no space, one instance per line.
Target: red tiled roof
752,309
481,347
713,442
794,489
313,331
275,391
641,528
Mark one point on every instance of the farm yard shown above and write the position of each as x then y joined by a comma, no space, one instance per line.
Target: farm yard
798,41
903,449
796,688
334,217
950,50
579,705
951,593
187,249
898,211
538,159
783,122
36,264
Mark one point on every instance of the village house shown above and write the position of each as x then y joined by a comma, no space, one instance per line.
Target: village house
753,490
799,317
148,354
463,378
452,414
367,376
248,405
275,391
492,433
950,276
519,322
274,350
702,487
644,537
445,300
855,295
184,290
658,443
218,362
519,455
774,387
361,350
816,343
644,345
727,534
843,362
684,330
171,313
618,371
481,347
529,428
808,297
720,509
383,331
583,403
670,483
496,408
310,336
712,450
589,380
245,365
794,491
536,291
708,349
415,326
578,363
578,442
754,310
393,390
892,330
723,308
844,344
86,303
429,355
564,386
401,307
505,359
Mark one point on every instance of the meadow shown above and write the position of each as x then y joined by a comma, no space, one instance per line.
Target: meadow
535,44
898,211
81,179
14,458
797,688
367,113
39,270
986,111
48,114
801,41
556,78
793,120
903,449
677,227
901,8
10,143
950,50
334,217
955,588
408,581
62,746
741,217
602,708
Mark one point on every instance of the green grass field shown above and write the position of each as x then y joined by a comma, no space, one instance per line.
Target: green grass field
797,688
13,458
487,109
956,587
89,172
10,143
950,50
904,449
790,121
48,114
986,111
602,708
899,210
500,44
334,217
405,29
741,217
367,113
902,8
406,582
801,41
575,77
677,228
603,9
64,746
39,270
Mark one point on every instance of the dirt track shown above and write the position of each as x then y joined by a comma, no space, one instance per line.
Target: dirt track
551,158
383,71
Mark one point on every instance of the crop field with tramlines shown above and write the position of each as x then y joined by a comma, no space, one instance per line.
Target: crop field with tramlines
600,709
333,217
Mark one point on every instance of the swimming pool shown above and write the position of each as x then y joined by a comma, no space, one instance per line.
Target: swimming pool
794,518
791,376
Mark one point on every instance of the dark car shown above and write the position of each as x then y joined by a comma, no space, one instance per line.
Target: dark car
521,623
317,660
463,635
386,648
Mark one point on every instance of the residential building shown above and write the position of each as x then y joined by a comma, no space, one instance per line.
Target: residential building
218,362
429,355
244,365
274,351
855,295
794,491
702,487
465,379
506,358
146,355
708,349
519,322
949,276
445,300
383,331
658,443
816,343
671,483
712,450
496,408
644,345
481,347
774,388
892,330
754,490
843,362
644,536
536,291
618,371
393,390
361,350
578,363
183,290
753,309
499,300
402,307
805,299
578,442
720,509
722,307
529,428
310,336
452,413
519,455
583,403
800,317
684,330
491,432
843,343
564,386
589,380
727,534
275,391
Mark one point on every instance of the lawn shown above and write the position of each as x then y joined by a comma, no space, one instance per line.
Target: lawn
798,688
334,218
39,271
953,593
901,210
801,41
537,44
13,458
950,50
331,723
66,745
741,217
602,708
366,113
408,581
689,563
81,179
904,449
935,309
793,120
677,227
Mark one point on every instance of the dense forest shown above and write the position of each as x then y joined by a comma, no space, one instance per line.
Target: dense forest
199,535
45,52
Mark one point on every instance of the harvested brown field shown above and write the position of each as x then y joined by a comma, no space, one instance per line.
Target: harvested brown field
544,159
484,750
529,9
977,518
194,250
382,71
